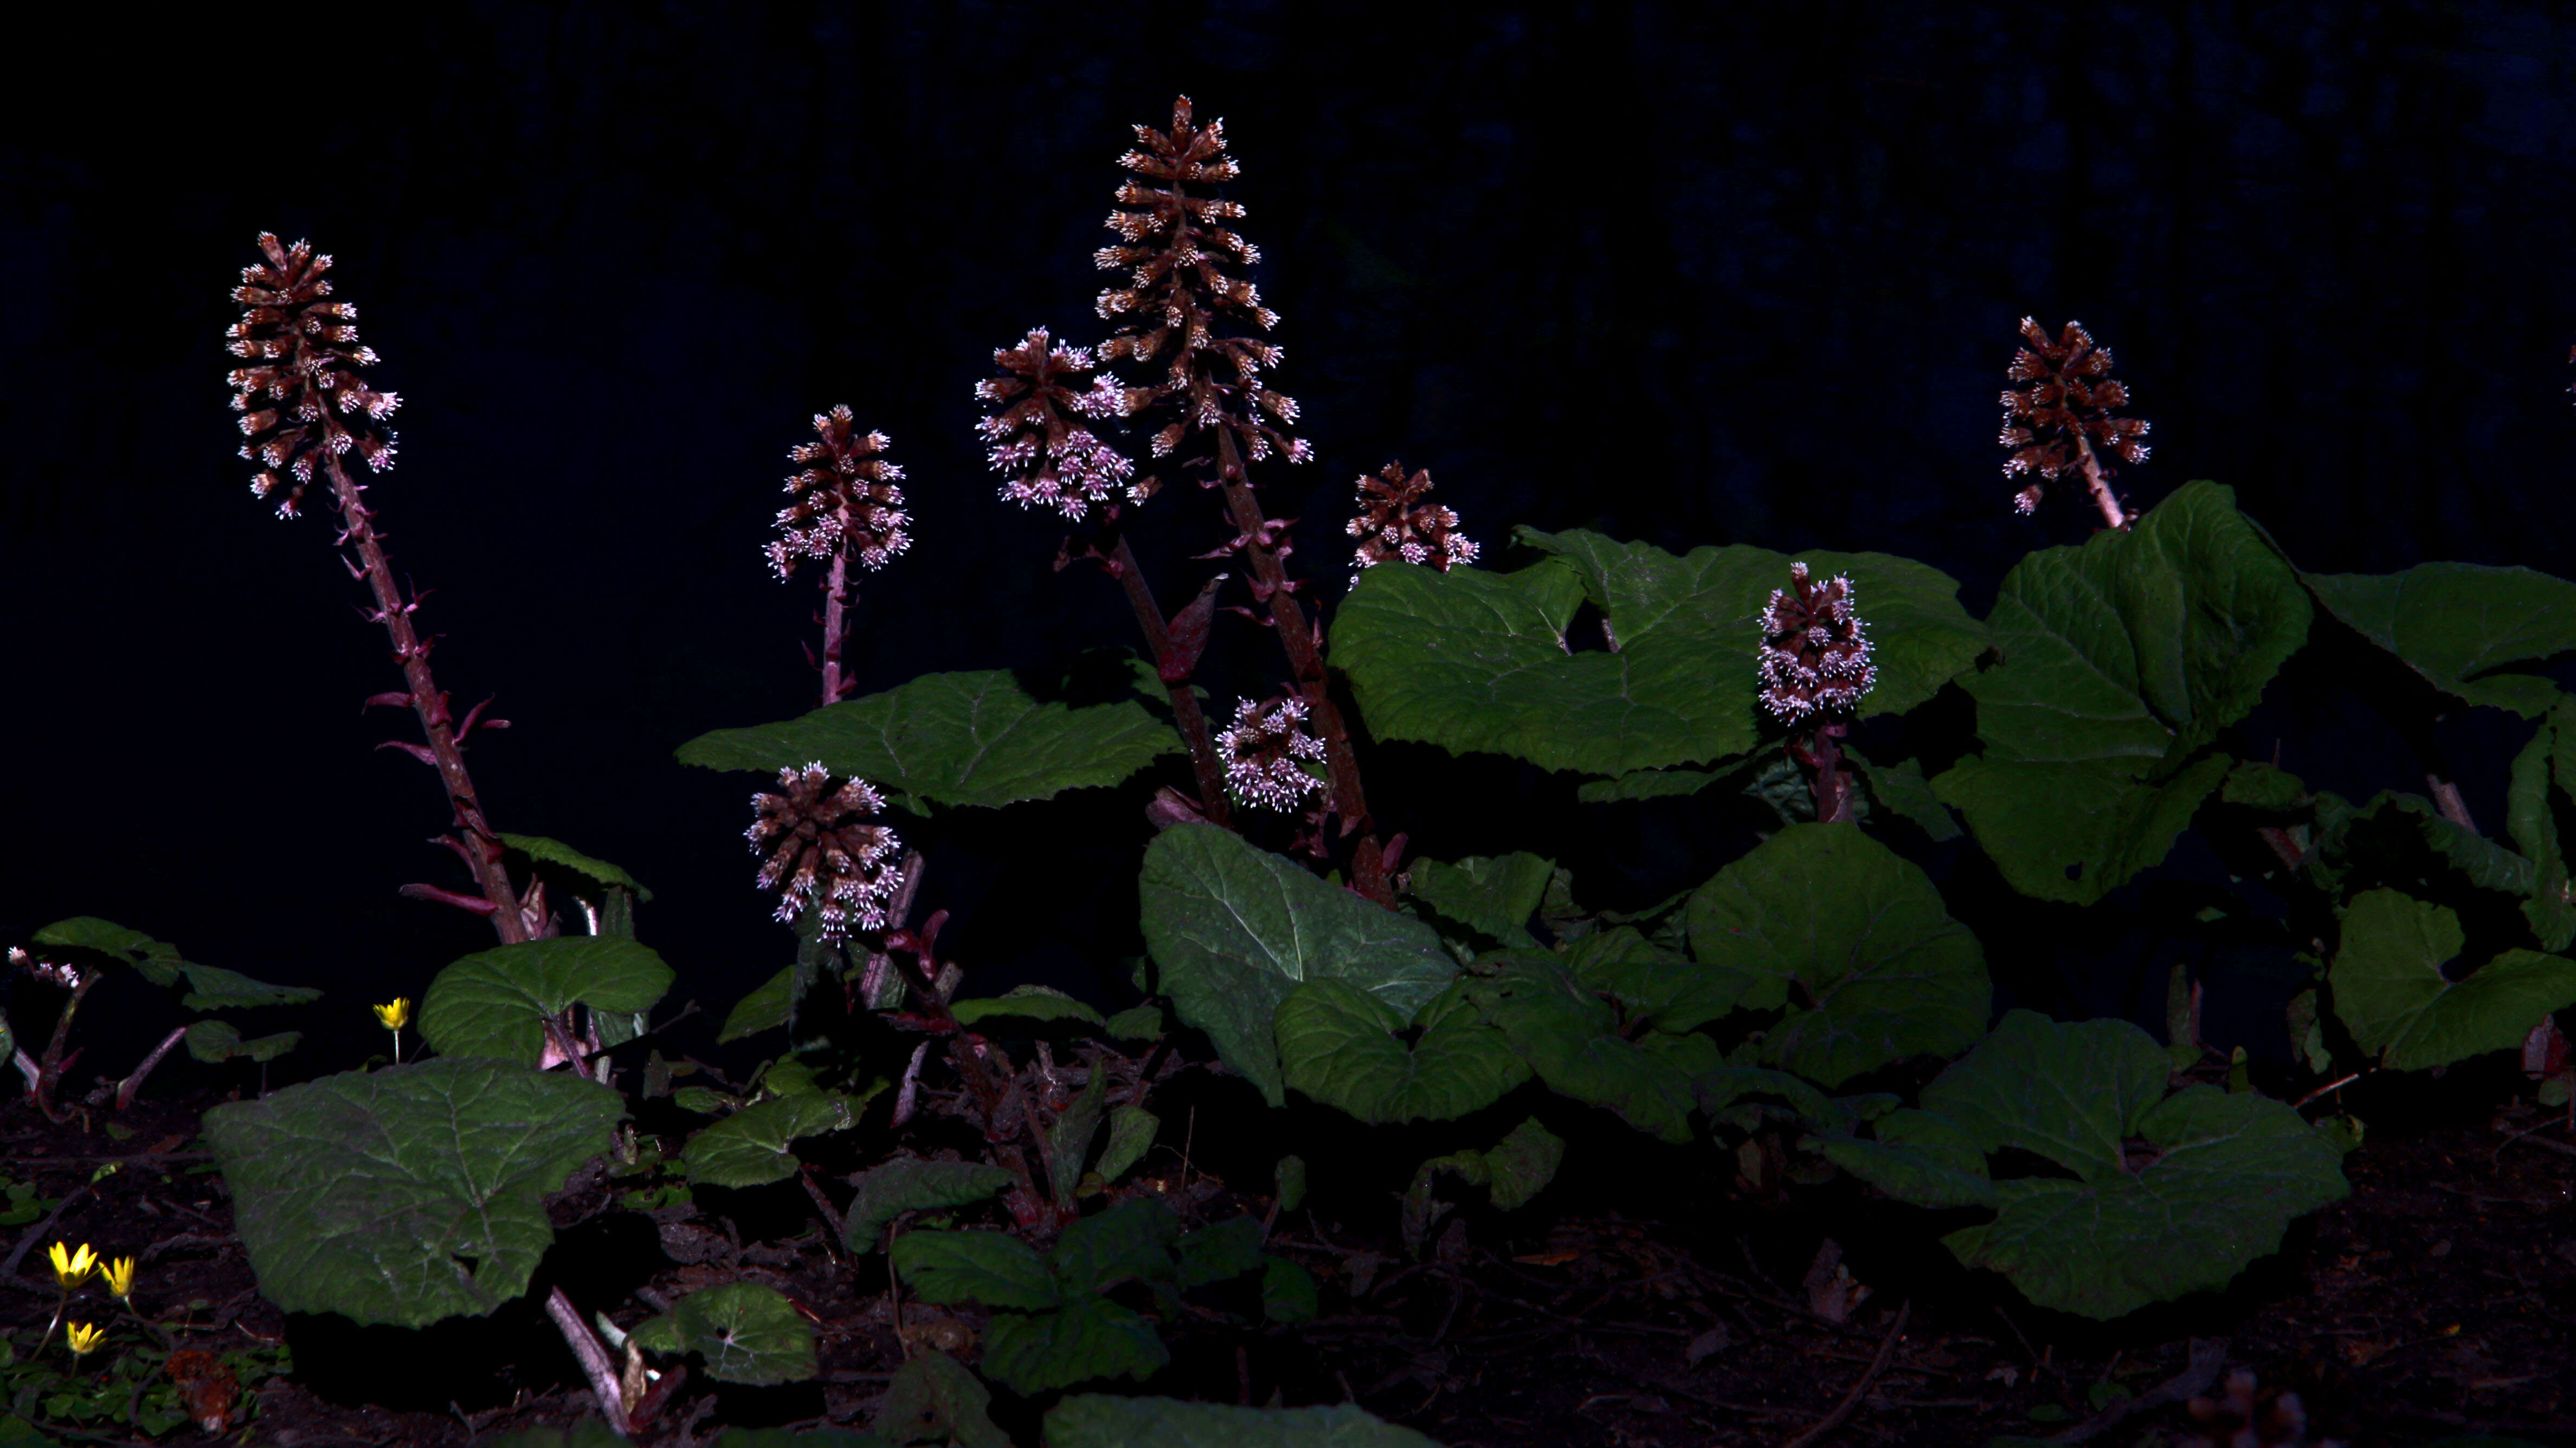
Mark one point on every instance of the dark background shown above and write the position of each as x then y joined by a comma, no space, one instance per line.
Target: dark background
1691,273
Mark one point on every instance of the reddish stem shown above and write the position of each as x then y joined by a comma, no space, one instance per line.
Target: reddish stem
2100,486
483,848
1306,662
1821,751
1167,663
837,602
126,1089
605,1383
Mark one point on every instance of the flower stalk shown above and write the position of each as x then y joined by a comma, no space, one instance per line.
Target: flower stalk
1815,668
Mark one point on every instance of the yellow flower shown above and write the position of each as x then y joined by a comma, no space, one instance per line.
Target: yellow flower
120,1276
83,1339
396,1014
71,1268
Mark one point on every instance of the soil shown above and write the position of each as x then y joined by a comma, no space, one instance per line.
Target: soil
2439,1299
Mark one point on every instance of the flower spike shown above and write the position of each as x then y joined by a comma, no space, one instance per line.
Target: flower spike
1394,523
846,499
1263,750
301,394
824,854
1815,649
2056,423
1036,438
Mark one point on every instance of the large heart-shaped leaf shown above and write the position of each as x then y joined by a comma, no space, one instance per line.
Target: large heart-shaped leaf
1340,1045
2075,832
1102,1421
2227,1175
1915,1156
1235,930
212,1040
1574,1042
1861,933
564,857
1494,897
1478,662
909,1184
1132,1241
2392,994
2069,1092
745,1332
406,1195
210,987
756,1145
2117,661
1650,983
974,738
495,1002
2456,624
1089,1337
213,988
934,1399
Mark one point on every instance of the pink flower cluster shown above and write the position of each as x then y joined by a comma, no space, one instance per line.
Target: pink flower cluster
2065,413
846,499
1396,524
824,853
304,355
1815,649
1047,458
1261,751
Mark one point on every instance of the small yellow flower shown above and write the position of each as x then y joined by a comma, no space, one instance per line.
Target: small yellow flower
396,1014
120,1276
71,1268
83,1339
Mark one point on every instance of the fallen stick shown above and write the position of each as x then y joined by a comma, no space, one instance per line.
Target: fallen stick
1851,1400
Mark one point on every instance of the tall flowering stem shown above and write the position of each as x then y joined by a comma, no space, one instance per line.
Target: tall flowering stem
305,407
847,509
1180,310
1815,668
2064,418
1037,438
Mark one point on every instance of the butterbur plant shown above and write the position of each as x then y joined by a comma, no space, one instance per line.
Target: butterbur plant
1010,1169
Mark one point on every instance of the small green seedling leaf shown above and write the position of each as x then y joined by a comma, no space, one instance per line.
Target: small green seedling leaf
909,1184
1132,1129
1102,1421
973,739
1856,929
1220,1253
2391,992
1089,1337
406,1195
756,1145
1340,1045
745,1332
1287,1292
992,1268
1235,930
496,1002
934,1399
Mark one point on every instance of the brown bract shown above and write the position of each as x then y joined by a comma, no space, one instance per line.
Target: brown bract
1179,296
302,395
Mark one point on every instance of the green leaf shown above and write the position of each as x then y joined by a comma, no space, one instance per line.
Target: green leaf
1228,1250
2394,816
105,939
1493,896
1287,1292
746,1333
1520,1166
2264,787
1136,1023
1132,1129
2072,1093
993,1268
1033,1003
1571,1039
1719,1089
1102,1421
1477,662
2532,822
1069,1136
1920,1158
1858,931
2455,624
935,1399
555,852
406,1195
909,1184
495,1002
1339,1045
1234,930
1131,1241
965,739
1902,789
755,1146
1090,1337
2228,1175
2392,993
213,988
766,1008
212,1040
1650,983
2074,832
1646,784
